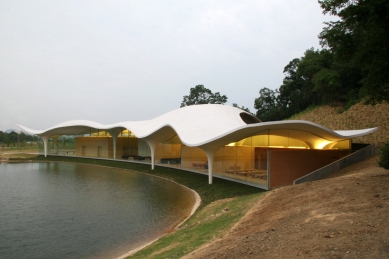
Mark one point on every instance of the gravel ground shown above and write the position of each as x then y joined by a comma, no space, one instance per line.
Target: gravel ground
344,216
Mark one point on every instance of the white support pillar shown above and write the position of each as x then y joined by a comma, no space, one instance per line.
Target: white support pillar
152,145
114,138
210,168
45,143
114,134
210,155
152,158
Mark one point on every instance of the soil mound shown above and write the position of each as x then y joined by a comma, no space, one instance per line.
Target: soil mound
358,116
344,216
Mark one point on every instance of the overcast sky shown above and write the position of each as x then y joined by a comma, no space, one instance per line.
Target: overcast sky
112,61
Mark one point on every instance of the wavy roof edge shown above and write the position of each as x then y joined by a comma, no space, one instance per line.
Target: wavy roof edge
198,125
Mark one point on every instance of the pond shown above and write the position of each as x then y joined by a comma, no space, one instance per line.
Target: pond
65,210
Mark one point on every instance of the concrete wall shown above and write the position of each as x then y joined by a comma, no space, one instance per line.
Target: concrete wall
338,165
289,165
91,145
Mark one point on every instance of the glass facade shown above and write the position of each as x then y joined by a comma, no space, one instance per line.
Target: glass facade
63,145
244,163
245,160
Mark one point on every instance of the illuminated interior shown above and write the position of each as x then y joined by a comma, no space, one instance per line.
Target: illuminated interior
290,139
245,160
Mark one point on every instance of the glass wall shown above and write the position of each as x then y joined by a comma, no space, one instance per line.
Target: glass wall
194,158
245,160
242,161
291,139
63,145
169,152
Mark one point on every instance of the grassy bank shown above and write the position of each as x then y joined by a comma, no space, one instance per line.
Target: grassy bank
209,223
223,204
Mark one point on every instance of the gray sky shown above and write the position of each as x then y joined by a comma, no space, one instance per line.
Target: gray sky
112,61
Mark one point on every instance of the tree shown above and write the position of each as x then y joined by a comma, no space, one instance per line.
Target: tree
201,95
312,63
22,137
360,39
352,65
291,98
267,105
242,108
317,78
2,136
13,138
7,140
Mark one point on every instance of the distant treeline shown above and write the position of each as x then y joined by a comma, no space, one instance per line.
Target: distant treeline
16,139
353,64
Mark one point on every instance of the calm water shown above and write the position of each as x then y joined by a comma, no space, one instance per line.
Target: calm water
60,210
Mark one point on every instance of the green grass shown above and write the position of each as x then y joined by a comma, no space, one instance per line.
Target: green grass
22,149
206,225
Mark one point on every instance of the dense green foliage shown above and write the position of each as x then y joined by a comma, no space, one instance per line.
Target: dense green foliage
201,95
353,64
15,139
360,41
384,156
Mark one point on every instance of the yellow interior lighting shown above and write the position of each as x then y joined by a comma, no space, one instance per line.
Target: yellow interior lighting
320,144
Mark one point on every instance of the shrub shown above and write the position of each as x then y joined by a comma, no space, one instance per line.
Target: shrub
384,156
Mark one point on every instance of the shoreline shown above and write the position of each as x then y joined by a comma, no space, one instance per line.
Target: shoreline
133,251
195,207
191,182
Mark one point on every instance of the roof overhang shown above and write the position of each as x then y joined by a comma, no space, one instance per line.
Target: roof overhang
200,125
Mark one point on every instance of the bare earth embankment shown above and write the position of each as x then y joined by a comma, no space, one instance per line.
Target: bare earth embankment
358,116
345,216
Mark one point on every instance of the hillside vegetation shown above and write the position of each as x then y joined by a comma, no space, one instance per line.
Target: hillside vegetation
358,116
351,66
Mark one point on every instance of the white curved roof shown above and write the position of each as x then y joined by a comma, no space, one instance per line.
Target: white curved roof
199,125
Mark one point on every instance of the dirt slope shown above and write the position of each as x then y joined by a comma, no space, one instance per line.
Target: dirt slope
358,116
345,216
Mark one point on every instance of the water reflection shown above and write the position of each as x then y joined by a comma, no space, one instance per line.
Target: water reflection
61,210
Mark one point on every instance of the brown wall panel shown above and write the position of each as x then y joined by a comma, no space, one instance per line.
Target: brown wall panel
289,165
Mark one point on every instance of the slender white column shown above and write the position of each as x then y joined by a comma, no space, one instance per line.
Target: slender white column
152,159
210,155
114,138
114,134
45,143
152,145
